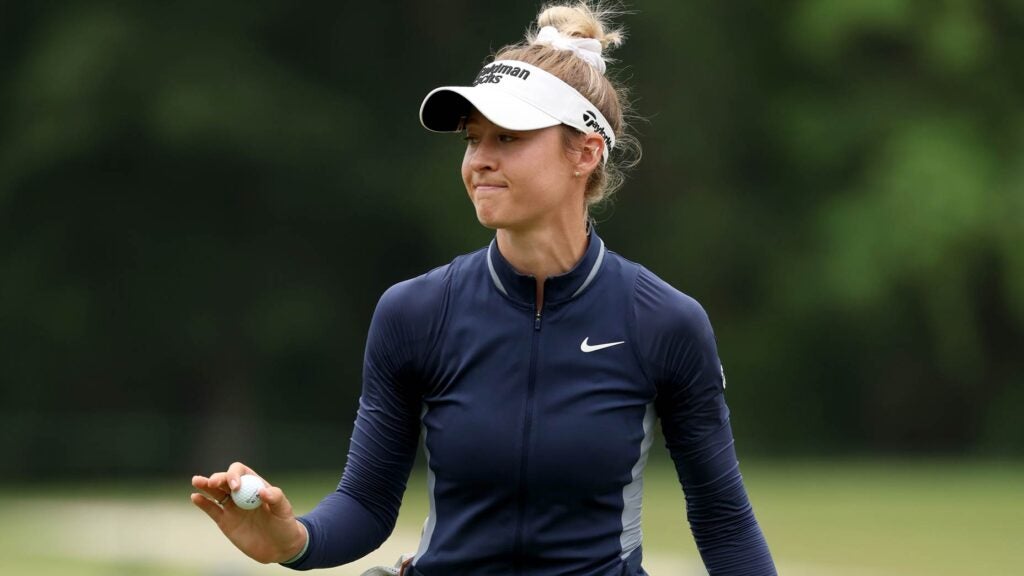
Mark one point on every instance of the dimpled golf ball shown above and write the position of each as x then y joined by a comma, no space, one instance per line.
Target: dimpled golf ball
247,497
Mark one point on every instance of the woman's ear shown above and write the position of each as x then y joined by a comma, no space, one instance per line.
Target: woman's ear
591,153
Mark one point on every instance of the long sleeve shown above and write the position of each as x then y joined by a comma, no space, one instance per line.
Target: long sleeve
678,347
359,516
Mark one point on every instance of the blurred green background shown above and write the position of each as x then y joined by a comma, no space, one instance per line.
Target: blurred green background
200,204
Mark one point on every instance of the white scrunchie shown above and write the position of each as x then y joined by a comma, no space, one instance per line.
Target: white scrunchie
587,48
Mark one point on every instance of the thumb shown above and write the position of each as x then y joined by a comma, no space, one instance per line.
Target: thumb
276,501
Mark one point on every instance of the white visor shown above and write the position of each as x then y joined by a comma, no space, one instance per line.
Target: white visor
516,96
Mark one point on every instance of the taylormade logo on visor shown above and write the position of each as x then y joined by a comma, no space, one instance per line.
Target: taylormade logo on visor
494,73
590,119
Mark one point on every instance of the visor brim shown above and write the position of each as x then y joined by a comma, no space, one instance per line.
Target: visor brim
444,109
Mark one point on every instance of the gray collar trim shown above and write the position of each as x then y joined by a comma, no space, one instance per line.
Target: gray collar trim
593,271
494,275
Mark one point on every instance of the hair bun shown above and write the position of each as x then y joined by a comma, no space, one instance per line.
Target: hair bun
582,20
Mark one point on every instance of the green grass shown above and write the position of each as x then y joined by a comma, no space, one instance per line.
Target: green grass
937,518
841,518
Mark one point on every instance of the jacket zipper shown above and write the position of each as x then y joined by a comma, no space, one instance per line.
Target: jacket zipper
527,429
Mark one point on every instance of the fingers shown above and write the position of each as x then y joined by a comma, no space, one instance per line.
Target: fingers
202,484
218,481
228,481
235,471
212,509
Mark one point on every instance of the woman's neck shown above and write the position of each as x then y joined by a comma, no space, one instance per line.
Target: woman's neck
543,253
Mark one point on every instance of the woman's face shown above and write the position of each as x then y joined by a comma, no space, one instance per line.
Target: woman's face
520,180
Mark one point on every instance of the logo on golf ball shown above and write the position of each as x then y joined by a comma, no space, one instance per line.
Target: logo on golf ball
247,497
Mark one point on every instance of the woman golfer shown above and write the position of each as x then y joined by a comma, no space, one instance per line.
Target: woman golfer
534,368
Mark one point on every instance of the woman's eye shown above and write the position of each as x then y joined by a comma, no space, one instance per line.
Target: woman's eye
473,139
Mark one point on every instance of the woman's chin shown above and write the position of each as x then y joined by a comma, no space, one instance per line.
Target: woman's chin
490,220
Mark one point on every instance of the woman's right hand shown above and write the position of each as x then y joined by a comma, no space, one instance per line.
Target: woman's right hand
267,534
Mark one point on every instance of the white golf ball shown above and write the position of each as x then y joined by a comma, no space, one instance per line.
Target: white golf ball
247,497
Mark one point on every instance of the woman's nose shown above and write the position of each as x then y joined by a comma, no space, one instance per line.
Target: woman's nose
483,157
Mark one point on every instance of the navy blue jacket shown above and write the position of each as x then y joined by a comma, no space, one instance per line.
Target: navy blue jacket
536,426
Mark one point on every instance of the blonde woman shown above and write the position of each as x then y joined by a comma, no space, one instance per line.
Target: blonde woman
535,368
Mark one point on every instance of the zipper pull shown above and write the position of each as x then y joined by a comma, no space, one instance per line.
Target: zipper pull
536,321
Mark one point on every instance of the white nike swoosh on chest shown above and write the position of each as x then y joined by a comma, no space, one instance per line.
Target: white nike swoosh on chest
586,347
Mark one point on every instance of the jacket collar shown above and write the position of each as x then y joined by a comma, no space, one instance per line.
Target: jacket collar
522,287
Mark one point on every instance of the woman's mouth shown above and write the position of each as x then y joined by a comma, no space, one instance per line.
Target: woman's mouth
489,187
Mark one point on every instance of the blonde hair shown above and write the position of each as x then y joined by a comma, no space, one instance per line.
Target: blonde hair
586,19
